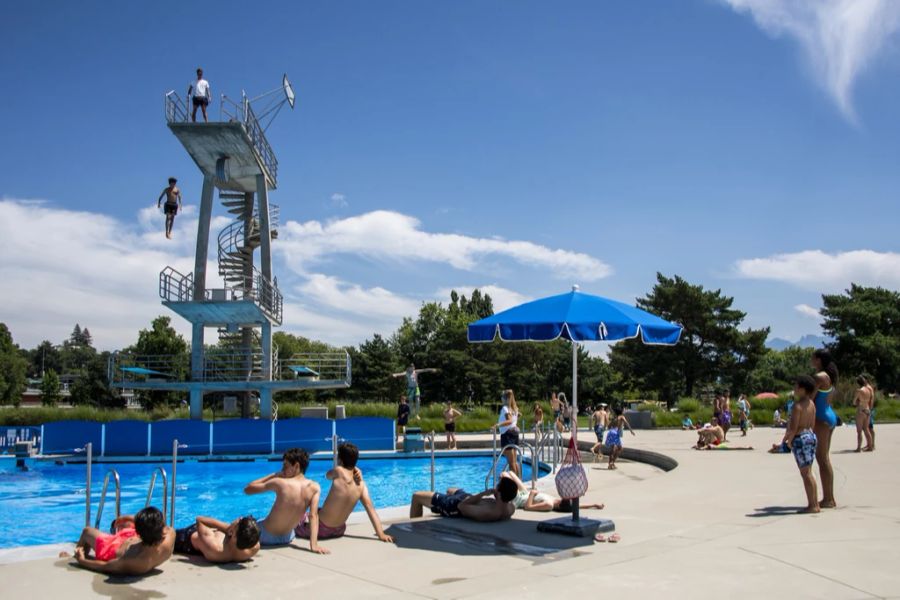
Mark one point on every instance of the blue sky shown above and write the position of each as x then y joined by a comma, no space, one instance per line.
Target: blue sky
742,144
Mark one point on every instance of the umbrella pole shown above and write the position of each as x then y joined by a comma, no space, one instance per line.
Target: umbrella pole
575,511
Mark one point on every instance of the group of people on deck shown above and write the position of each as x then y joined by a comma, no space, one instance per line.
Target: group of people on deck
142,542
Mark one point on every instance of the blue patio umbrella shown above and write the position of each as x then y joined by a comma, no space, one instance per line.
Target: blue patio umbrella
577,317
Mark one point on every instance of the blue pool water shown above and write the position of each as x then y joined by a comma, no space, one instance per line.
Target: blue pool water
45,505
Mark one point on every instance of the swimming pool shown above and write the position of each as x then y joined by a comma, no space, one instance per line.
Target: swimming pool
45,505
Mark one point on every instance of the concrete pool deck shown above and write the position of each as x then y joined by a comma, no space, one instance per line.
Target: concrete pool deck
721,521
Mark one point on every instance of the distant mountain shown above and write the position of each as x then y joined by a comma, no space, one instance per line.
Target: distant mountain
807,341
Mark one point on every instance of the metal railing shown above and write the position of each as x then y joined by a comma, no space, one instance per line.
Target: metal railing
326,366
176,108
243,113
233,365
492,474
431,440
165,493
175,286
115,474
126,368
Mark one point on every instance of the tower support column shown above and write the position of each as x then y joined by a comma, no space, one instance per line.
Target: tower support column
265,403
196,402
265,231
206,200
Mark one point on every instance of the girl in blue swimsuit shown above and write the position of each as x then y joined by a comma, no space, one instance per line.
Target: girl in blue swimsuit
826,420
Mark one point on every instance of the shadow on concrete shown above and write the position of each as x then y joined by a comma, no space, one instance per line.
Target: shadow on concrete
461,537
199,561
775,511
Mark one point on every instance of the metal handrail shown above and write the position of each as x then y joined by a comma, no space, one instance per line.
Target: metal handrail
176,108
115,474
431,439
175,286
244,114
518,448
175,447
165,494
89,449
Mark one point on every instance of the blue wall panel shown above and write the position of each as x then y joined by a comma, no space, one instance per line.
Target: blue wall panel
194,434
63,437
368,433
242,436
126,438
309,434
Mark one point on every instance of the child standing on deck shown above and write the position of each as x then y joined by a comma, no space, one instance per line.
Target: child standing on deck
801,438
614,436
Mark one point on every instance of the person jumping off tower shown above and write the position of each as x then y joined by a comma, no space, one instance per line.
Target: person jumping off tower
173,204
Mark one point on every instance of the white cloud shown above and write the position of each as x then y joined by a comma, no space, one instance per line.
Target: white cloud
808,311
839,37
822,272
374,303
62,267
339,200
391,236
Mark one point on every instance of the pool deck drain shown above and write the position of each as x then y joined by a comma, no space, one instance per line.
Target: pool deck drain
719,520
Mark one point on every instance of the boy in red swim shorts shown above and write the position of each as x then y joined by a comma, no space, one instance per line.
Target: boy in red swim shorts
140,543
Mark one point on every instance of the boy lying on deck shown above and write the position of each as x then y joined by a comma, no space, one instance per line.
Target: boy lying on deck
140,543
486,507
218,541
347,488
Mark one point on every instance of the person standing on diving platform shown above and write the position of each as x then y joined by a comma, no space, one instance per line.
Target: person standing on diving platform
173,204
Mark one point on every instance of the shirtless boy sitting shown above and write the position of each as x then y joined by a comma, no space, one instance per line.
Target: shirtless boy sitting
218,541
294,493
140,543
710,436
487,507
347,488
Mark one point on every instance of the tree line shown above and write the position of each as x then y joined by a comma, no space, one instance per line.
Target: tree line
714,353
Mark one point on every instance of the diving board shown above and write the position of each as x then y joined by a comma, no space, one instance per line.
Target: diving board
143,371
302,371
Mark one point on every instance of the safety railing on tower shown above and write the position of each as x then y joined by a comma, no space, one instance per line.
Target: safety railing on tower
176,108
326,366
175,286
242,113
125,368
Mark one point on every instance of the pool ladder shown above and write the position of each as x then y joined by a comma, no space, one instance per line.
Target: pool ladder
114,475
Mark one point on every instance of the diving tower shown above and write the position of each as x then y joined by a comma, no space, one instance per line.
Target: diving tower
239,166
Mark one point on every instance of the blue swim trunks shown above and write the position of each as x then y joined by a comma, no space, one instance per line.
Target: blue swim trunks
599,431
614,438
267,539
804,448
447,505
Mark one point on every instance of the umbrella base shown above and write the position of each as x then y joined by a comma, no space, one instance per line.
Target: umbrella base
579,528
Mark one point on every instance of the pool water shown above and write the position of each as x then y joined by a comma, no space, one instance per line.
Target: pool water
45,505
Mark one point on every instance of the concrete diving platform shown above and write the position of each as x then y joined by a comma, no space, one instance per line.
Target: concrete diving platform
226,152
222,313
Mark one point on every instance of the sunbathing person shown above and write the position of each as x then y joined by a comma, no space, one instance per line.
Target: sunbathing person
711,435
218,541
140,543
535,501
294,494
486,507
347,488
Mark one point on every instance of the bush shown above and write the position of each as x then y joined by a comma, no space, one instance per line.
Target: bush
688,405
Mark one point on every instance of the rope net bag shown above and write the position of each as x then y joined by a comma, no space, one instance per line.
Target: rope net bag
571,480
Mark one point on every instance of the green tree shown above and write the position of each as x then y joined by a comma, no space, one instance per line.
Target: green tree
161,340
373,364
92,385
865,325
777,370
13,369
712,348
46,357
50,388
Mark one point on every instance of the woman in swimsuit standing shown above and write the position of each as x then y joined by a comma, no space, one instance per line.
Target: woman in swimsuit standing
863,403
826,420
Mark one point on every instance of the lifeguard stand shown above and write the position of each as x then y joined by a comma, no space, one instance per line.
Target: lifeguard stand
236,159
